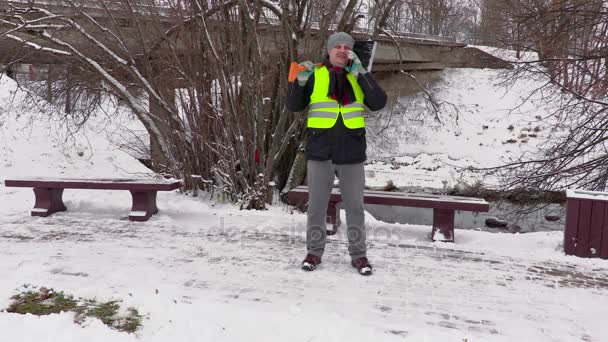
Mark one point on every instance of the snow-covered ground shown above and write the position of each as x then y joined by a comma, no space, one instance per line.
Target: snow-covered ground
205,271
228,275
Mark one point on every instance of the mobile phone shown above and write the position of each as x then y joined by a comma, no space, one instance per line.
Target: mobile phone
366,50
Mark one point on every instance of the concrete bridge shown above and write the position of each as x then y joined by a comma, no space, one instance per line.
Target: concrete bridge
423,57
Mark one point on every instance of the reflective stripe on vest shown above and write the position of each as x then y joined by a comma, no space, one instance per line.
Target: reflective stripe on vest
323,111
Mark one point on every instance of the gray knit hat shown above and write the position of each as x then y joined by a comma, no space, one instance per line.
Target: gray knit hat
339,38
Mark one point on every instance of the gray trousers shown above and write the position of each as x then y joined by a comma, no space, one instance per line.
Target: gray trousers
320,177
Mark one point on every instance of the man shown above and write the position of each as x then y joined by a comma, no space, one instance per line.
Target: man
335,93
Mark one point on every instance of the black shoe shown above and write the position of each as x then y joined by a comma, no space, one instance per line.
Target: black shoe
310,262
362,265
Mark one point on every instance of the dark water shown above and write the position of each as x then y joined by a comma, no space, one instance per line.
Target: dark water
526,222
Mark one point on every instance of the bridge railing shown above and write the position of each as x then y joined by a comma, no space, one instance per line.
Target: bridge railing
363,25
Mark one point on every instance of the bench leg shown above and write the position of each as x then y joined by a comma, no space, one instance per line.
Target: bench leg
332,217
443,225
144,205
153,202
48,201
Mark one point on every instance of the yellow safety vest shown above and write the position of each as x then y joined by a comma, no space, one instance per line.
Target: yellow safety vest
323,111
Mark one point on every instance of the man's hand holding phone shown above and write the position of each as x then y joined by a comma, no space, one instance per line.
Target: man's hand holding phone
356,67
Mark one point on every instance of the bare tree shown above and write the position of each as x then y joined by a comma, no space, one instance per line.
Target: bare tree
206,78
569,37
447,18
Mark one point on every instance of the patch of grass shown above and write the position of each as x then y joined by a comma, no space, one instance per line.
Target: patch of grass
42,302
45,301
108,313
104,311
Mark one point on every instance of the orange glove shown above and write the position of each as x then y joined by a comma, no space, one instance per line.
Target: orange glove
300,72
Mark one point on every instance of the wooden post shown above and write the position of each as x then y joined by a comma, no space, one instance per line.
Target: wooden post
604,249
595,233
332,217
331,213
586,231
443,225
144,205
571,230
583,234
48,201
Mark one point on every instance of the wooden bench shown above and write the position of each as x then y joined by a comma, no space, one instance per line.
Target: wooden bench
443,207
49,192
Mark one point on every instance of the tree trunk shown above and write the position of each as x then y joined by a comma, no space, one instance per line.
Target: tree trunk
297,173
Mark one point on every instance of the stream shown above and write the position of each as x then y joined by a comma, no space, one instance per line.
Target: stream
523,222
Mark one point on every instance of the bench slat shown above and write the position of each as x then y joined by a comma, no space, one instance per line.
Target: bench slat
95,184
407,200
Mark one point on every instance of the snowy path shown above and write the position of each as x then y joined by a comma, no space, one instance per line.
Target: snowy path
216,273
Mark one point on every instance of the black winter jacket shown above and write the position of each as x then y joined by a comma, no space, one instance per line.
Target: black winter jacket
339,144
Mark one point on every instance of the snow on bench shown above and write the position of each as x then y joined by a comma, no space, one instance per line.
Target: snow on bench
443,207
49,192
